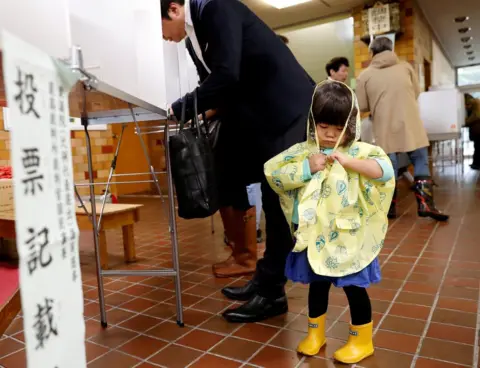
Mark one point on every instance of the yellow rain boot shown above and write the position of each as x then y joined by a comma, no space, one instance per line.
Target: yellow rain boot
359,345
315,339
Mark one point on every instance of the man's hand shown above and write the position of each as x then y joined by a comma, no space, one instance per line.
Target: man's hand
170,114
317,163
342,159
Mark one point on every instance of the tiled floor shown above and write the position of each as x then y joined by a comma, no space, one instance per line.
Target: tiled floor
426,309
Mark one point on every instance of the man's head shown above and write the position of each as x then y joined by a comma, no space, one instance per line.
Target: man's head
173,20
381,44
469,101
337,69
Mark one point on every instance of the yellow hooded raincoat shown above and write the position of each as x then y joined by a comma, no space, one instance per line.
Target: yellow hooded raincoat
342,215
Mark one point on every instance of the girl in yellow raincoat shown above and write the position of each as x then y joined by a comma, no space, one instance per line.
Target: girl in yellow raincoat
335,193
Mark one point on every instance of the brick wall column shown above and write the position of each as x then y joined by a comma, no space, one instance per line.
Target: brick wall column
404,44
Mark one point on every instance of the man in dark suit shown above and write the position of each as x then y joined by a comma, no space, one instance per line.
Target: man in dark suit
264,96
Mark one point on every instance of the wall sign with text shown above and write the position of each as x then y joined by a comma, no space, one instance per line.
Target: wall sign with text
46,228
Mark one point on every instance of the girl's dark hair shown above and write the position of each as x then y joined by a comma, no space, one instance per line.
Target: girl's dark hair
332,103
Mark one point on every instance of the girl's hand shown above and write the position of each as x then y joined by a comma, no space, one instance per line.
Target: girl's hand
317,162
342,159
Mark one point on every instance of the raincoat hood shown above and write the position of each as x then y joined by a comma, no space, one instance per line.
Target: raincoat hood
312,137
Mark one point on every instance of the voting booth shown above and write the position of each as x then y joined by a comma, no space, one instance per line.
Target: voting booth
114,47
442,111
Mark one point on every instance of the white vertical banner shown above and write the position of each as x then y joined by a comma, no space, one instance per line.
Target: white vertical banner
46,229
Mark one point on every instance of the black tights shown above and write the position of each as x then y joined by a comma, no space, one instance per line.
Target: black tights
358,300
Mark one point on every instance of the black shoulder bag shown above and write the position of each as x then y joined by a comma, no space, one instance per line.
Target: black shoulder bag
193,169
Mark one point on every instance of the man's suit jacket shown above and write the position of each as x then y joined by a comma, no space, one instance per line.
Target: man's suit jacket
263,92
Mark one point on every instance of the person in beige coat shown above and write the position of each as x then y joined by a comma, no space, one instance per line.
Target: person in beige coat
389,89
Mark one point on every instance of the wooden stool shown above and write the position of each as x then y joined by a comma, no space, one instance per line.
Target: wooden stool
114,216
9,308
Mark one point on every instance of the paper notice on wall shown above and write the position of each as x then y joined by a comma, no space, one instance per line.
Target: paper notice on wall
379,19
46,227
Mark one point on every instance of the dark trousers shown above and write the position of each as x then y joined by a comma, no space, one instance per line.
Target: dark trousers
232,192
270,273
235,196
476,151
358,301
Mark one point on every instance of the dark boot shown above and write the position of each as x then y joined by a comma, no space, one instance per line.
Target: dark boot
259,236
242,293
257,309
392,212
244,255
426,204
227,219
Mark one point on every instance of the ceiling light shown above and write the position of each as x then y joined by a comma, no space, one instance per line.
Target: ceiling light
466,39
281,4
469,53
464,30
471,58
461,19
466,47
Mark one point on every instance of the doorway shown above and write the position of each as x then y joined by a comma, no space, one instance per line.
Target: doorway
427,69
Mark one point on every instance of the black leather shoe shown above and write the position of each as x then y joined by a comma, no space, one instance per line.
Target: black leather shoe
260,237
257,309
242,293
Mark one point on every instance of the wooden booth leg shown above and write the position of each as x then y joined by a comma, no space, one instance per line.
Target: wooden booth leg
102,243
128,243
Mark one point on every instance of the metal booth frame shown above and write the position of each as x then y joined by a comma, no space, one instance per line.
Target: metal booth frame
138,110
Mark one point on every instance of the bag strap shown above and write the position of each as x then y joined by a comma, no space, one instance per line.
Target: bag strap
206,124
183,113
195,122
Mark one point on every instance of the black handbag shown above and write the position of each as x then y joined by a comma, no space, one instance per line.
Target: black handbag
211,129
193,169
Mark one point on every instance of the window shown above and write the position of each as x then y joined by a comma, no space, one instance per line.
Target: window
468,75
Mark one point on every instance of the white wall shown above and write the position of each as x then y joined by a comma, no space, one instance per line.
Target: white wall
43,24
316,43
443,74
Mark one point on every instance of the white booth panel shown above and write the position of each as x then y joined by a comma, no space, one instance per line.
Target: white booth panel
442,111
123,46
105,33
176,79
43,24
193,78
183,59
149,51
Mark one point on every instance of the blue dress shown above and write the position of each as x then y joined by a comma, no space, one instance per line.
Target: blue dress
298,267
